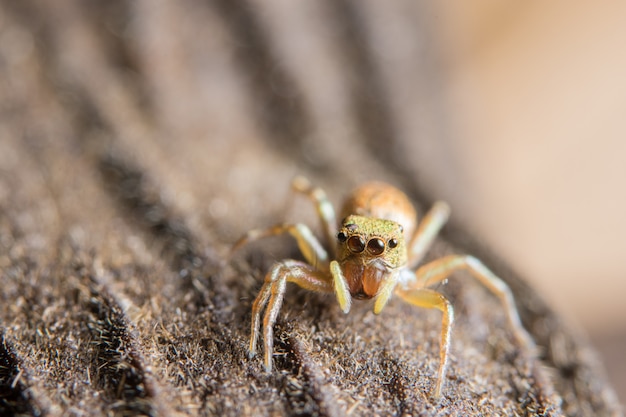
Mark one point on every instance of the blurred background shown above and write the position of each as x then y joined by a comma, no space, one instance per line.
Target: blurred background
537,97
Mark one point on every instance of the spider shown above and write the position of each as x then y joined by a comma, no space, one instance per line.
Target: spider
378,248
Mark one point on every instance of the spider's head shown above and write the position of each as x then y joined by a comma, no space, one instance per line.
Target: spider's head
368,240
369,252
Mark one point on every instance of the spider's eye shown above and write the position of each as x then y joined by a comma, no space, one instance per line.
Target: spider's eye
341,236
392,243
356,244
376,246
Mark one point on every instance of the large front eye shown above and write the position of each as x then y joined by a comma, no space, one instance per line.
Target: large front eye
356,244
376,246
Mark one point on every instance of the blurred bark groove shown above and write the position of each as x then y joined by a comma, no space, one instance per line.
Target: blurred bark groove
139,139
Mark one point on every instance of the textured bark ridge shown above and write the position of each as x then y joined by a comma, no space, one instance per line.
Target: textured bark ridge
140,139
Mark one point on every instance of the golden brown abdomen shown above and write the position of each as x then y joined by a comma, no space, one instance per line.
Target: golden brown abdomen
381,201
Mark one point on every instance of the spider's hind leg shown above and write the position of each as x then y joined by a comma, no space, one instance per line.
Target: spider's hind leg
427,230
323,206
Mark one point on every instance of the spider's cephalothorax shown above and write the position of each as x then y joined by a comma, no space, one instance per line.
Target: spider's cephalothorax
377,247
369,252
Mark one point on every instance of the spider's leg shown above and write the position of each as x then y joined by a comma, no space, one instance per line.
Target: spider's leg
423,297
275,302
427,230
323,206
272,294
440,269
308,244
257,307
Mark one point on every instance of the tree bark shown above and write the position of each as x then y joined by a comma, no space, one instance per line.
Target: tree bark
139,140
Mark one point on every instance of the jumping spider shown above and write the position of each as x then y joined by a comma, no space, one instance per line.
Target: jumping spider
377,249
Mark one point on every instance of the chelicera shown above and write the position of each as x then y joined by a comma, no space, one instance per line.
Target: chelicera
378,248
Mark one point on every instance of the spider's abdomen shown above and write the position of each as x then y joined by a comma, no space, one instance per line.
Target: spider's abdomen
381,201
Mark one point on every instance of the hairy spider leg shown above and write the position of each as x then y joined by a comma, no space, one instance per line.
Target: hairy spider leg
308,244
323,206
257,307
427,298
311,275
426,232
440,269
416,292
272,294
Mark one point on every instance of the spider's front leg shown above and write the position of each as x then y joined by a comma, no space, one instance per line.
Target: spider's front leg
313,275
272,294
416,293
426,298
440,269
